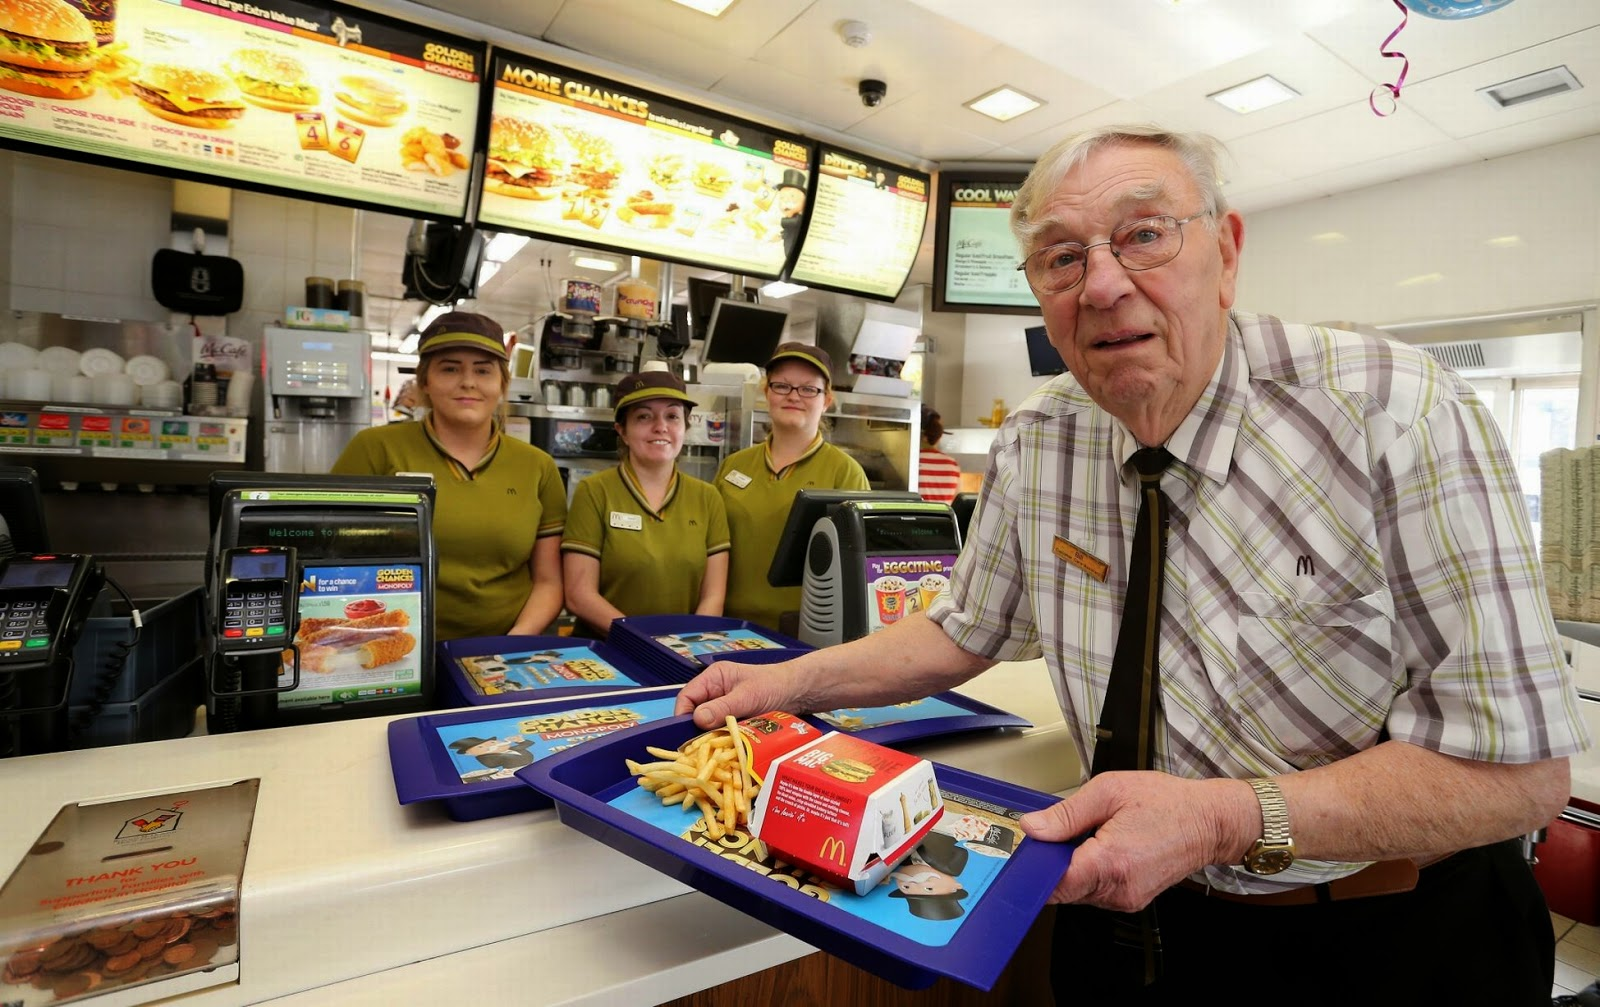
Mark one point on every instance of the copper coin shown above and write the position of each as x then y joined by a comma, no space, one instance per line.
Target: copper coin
70,986
205,949
178,954
122,963
140,970
10,978
94,978
152,947
122,947
212,913
175,930
148,928
80,956
105,937
58,951
24,963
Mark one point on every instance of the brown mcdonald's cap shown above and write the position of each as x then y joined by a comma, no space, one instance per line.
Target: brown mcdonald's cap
806,353
464,328
637,388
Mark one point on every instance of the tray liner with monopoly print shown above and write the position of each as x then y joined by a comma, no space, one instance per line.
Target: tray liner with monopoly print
515,669
466,758
981,882
678,647
931,717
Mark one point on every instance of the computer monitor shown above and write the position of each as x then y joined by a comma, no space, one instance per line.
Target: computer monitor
743,333
22,509
810,506
1042,357
703,295
964,504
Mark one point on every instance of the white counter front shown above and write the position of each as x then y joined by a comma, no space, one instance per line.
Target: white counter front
349,898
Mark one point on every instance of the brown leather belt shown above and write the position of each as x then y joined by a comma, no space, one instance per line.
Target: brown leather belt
1386,877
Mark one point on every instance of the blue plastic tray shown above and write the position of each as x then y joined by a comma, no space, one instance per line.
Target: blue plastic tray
584,781
945,713
539,679
425,769
639,637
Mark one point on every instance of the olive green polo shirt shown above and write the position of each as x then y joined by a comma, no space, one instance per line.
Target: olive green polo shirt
758,498
485,520
652,562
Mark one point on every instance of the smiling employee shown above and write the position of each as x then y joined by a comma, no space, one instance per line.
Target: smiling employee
642,538
758,484
499,506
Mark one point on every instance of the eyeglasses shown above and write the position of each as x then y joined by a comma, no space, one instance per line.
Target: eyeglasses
782,388
1142,244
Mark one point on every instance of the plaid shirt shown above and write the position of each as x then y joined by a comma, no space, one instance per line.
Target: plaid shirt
1349,559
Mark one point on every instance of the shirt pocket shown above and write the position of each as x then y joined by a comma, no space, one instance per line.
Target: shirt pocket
1316,676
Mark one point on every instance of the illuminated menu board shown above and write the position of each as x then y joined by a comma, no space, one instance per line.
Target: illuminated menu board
865,227
975,255
319,102
597,163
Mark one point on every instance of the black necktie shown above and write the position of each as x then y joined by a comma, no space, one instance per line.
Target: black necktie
1125,737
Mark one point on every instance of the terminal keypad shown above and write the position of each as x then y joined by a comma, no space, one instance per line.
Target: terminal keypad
254,612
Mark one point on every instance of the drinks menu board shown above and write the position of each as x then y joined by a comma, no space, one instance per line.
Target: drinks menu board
865,228
321,102
598,163
975,254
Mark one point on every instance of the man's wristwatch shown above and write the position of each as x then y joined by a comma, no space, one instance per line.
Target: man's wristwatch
1274,851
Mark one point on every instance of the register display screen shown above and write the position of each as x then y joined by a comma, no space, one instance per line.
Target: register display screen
36,575
911,533
359,627
333,536
262,566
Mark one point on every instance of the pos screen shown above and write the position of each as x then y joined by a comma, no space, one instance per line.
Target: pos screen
37,574
262,566
810,506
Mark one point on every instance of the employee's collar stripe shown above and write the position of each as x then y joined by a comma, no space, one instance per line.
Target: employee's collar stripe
457,338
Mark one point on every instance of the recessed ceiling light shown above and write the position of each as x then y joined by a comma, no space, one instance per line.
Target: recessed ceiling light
1254,95
1505,241
712,7
778,288
1003,103
1520,90
593,260
1330,238
1417,281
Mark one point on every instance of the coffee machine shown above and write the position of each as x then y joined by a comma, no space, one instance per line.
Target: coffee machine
317,396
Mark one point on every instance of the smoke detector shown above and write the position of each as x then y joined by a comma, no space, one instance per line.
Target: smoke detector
855,33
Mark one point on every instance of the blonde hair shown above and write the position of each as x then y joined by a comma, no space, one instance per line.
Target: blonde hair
502,411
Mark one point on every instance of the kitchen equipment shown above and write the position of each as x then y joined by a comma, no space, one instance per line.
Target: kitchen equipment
636,299
602,397
552,393
317,396
319,292
582,297
577,395
352,297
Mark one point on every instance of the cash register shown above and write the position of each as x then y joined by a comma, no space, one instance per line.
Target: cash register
320,590
863,560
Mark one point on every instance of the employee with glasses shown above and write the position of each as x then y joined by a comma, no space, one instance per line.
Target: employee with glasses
759,483
1283,581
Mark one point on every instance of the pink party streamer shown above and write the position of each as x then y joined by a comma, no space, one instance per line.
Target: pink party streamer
1405,67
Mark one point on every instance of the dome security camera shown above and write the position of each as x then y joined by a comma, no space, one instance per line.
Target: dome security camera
872,92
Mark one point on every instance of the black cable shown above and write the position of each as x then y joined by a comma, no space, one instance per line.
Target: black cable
111,674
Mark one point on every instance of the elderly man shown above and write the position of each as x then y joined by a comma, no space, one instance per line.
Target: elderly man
1285,586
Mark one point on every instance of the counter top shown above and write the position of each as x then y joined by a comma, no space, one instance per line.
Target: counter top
349,898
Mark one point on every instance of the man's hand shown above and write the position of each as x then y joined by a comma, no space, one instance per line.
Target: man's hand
1150,830
728,688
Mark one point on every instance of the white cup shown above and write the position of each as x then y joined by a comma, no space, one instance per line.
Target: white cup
32,384
79,388
115,389
239,386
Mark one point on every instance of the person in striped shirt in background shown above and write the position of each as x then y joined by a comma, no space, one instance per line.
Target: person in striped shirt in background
938,475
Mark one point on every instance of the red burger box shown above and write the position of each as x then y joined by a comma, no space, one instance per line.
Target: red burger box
845,809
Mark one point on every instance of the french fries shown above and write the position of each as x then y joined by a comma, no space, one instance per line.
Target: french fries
710,772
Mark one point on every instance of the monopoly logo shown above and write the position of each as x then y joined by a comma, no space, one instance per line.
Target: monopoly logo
580,719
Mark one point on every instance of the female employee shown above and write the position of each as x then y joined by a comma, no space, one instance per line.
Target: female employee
938,475
643,539
499,506
758,484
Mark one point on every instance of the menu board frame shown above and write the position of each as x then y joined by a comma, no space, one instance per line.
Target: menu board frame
595,91
870,165
948,182
297,14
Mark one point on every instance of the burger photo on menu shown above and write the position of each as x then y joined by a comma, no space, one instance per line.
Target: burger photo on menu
187,96
712,178
523,161
273,80
370,101
594,161
46,49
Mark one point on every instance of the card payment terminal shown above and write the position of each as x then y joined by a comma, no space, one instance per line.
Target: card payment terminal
256,602
44,600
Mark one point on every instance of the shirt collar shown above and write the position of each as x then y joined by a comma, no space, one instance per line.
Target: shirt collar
630,479
460,471
1204,441
816,445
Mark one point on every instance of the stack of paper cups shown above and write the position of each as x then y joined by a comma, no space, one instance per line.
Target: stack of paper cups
239,392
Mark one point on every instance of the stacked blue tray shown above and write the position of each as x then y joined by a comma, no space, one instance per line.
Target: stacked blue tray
517,669
675,648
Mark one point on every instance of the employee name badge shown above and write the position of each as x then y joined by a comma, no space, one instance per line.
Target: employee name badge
629,522
738,478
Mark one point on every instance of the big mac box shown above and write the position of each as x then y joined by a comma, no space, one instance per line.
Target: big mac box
845,809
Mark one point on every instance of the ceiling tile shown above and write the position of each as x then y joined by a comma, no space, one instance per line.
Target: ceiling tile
524,17
1117,113
1436,46
1536,132
1132,46
1323,80
1345,136
1392,166
1452,102
657,27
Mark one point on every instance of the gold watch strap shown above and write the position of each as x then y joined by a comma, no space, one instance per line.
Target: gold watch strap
1274,812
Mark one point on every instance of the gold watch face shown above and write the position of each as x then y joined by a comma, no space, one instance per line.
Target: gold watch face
1268,859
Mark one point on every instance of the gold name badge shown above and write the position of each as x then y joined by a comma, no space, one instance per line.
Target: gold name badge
1069,553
